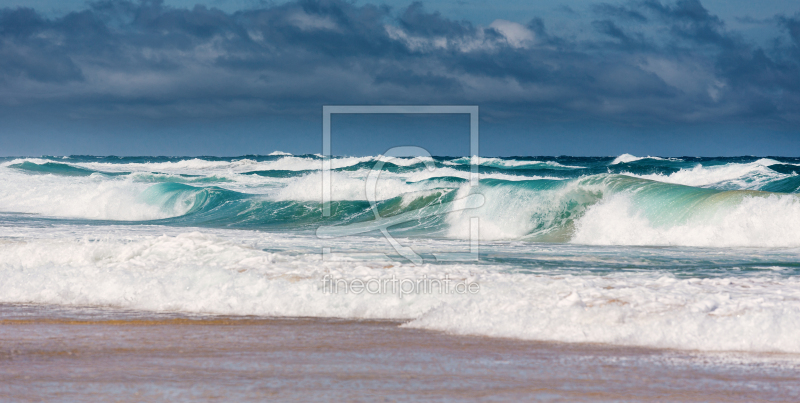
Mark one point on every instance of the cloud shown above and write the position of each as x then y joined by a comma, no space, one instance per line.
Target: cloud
619,12
628,42
688,19
644,62
516,35
792,26
30,50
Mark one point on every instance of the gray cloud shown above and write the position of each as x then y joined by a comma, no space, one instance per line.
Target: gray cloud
792,26
648,63
619,12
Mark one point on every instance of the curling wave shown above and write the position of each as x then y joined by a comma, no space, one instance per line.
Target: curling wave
722,203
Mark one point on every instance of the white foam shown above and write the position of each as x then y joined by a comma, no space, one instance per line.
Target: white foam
93,197
126,197
625,158
751,175
506,163
514,212
407,161
196,166
728,314
38,161
346,186
772,221
204,273
507,213
455,173
352,185
194,272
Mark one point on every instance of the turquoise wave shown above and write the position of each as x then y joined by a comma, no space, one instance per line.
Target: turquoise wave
59,169
229,193
548,209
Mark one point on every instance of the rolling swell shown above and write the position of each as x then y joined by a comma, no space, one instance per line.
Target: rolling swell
55,168
606,208
631,200
217,207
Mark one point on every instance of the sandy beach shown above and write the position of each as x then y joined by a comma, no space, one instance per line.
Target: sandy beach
64,354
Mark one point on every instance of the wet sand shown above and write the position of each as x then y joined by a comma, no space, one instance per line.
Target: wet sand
52,354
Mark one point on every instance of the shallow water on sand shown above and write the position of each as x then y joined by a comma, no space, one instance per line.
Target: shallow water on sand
88,354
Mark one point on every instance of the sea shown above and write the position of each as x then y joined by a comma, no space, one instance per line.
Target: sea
681,253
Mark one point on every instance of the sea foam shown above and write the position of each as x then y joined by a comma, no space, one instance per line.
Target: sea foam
198,272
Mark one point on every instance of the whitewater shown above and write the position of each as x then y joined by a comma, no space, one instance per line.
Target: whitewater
669,252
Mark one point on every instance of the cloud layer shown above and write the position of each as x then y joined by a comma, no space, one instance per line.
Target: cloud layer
644,63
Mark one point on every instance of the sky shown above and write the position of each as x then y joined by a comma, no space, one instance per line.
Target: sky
238,77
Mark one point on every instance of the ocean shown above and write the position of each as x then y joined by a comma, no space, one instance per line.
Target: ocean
686,253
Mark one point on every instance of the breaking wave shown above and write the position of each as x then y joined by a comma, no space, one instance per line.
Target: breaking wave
724,204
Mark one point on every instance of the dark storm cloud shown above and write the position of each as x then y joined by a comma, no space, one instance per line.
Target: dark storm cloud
690,20
416,20
619,12
631,43
792,26
24,52
646,61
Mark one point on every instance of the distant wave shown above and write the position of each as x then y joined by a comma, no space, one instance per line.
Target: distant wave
751,175
509,163
626,158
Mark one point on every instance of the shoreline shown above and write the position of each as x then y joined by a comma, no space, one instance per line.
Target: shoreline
88,354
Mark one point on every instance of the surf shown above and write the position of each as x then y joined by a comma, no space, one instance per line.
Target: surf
739,202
